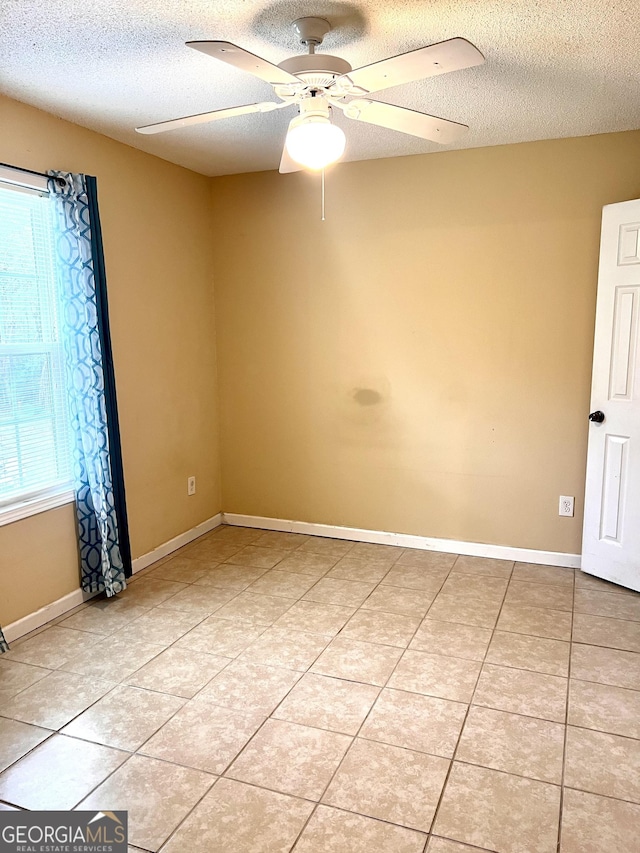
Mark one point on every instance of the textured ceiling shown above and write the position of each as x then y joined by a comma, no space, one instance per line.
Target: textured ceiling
554,68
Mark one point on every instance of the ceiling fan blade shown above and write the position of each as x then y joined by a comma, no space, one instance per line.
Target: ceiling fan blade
202,118
288,164
245,61
441,58
406,121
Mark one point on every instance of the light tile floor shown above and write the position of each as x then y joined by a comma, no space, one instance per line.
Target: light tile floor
266,692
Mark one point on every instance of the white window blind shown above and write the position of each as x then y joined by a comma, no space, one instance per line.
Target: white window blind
35,457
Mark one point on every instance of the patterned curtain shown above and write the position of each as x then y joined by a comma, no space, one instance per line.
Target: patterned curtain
102,524
3,643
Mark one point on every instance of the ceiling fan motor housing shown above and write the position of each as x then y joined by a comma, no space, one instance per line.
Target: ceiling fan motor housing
316,69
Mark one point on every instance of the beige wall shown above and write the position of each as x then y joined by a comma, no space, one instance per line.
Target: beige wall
156,229
420,362
39,562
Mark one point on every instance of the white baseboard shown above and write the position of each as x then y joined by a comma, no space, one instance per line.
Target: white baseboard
473,549
177,542
406,540
50,611
58,608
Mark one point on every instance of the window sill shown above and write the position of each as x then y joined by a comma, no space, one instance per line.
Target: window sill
37,504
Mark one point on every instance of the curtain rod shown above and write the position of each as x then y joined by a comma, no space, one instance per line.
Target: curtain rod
60,181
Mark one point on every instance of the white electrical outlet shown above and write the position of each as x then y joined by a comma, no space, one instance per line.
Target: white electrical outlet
566,506
191,486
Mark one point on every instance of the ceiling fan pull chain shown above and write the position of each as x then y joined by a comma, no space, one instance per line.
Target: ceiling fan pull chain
322,193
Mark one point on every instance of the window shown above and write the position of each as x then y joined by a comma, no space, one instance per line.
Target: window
35,456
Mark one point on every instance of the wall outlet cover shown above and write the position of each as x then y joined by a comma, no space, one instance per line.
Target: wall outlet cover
566,506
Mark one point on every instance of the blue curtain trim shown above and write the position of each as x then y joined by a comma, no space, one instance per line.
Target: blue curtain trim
111,401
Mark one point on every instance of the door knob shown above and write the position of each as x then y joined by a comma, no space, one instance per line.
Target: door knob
596,417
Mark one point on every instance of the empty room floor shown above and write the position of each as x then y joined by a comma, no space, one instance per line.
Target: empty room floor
262,692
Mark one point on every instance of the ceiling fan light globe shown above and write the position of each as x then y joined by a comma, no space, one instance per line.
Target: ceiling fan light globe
315,144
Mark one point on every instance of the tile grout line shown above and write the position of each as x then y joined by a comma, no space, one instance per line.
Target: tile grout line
566,726
303,673
130,753
190,812
382,687
353,737
253,736
267,718
115,684
469,705
126,760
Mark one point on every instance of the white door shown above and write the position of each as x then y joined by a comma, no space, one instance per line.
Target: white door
611,536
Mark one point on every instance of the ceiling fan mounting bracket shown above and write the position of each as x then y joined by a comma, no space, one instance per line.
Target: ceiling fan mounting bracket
311,31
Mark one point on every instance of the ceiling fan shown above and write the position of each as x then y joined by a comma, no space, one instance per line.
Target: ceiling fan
318,83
